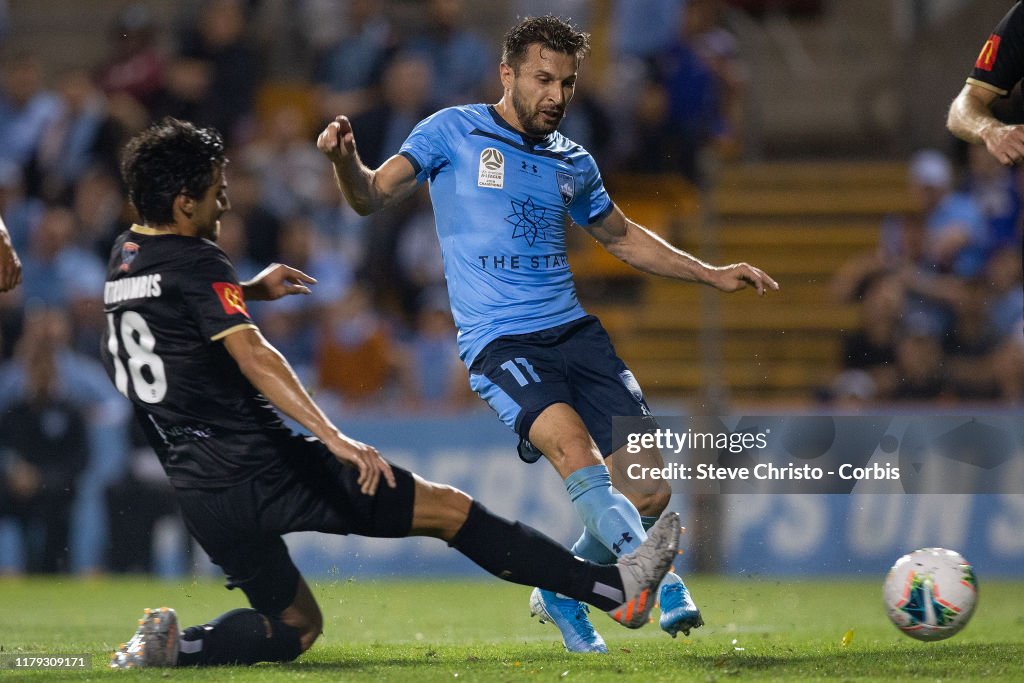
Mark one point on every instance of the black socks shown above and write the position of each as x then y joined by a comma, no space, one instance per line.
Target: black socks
241,636
519,553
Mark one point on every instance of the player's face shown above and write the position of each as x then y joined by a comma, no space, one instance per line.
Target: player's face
542,88
211,207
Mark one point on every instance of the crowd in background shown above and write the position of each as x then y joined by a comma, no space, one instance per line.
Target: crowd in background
941,297
376,334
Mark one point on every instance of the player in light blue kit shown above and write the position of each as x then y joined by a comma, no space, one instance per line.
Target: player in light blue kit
504,185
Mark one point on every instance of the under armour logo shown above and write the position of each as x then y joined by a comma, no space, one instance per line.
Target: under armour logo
626,538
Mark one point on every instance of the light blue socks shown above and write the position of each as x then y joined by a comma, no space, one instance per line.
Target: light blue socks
613,527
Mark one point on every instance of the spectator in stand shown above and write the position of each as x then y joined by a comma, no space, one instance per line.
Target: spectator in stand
20,212
872,347
43,450
437,374
262,227
459,56
82,136
996,189
82,381
233,66
956,237
419,270
27,108
589,124
1005,296
98,205
704,27
702,80
233,240
290,324
358,359
654,20
405,101
970,346
350,72
1005,303
136,67
54,264
920,363
137,503
406,88
288,167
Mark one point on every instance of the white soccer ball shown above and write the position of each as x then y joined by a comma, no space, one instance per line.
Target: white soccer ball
931,593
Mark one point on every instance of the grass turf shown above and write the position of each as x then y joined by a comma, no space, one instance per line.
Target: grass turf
758,629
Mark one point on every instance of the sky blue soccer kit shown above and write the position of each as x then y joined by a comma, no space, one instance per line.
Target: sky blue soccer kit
502,203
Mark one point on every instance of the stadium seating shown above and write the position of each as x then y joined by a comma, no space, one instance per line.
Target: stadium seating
799,222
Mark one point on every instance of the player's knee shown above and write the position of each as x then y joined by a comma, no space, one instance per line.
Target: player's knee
651,503
574,452
439,510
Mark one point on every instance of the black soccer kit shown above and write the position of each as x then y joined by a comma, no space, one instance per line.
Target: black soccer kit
1000,64
242,478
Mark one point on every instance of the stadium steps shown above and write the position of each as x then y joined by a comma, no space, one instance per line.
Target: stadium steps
800,222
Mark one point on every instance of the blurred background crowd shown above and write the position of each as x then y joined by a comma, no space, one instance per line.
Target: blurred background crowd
930,302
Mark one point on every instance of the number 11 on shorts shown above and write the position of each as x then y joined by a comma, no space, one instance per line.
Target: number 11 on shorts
510,365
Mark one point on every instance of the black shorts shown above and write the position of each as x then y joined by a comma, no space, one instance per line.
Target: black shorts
240,526
520,375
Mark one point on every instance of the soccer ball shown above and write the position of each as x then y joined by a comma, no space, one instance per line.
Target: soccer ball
930,594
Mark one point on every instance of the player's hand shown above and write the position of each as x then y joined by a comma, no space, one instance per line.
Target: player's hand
1006,144
275,281
10,266
337,141
366,459
740,276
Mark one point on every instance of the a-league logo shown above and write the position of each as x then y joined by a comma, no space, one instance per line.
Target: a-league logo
491,171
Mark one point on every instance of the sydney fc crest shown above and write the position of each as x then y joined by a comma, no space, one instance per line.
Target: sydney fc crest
566,186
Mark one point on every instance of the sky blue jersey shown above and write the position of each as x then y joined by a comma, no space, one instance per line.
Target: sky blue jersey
502,201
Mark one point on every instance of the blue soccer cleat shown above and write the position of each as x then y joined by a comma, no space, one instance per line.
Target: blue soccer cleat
678,611
570,616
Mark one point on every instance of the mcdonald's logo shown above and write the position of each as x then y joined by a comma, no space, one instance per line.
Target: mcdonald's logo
230,296
987,57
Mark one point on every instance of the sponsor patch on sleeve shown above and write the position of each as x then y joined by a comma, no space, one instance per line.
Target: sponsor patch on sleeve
231,299
987,56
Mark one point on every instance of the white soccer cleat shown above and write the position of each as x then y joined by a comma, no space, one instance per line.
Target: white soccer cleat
155,642
643,569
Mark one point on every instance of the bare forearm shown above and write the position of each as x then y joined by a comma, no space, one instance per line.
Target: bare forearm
358,183
647,252
970,119
273,377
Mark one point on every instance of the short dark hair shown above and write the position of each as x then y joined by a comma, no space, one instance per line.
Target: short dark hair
550,31
169,158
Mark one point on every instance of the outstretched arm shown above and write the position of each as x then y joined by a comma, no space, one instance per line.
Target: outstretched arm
10,266
971,119
270,373
639,247
366,190
275,281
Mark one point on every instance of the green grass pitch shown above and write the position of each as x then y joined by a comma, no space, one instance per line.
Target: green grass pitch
479,630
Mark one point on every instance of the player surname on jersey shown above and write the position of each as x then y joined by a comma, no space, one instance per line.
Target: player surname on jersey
141,287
